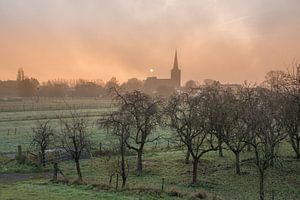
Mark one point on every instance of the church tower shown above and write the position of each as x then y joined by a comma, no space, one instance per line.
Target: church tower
176,73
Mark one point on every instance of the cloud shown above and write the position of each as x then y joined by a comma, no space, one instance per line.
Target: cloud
227,40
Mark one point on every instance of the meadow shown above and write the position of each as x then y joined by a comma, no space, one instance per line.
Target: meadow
217,178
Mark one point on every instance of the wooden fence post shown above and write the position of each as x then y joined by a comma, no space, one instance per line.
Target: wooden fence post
117,181
100,147
19,151
55,170
162,184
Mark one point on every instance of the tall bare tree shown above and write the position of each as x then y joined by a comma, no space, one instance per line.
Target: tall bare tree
292,108
142,113
75,139
236,131
268,132
216,106
187,116
43,136
116,123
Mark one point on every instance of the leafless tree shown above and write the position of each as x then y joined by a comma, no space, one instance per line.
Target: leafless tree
142,113
216,110
116,123
292,108
235,130
75,139
268,132
187,116
43,136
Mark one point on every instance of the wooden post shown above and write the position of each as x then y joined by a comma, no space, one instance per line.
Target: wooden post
162,184
40,158
117,181
273,195
15,131
55,170
19,151
168,144
100,147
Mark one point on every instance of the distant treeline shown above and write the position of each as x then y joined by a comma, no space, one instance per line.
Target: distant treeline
24,86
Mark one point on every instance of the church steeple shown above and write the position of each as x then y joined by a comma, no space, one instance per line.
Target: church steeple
175,65
175,72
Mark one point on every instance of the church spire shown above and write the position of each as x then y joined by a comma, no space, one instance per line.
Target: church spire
175,65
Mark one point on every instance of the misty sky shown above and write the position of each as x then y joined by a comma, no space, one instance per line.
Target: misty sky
227,40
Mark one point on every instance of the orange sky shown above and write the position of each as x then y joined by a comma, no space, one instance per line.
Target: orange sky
231,41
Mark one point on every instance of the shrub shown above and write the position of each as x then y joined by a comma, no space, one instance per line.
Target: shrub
21,159
199,195
174,193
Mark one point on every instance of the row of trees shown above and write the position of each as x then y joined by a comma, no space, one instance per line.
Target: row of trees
204,119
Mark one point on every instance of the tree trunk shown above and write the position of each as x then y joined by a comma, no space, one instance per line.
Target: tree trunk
43,158
220,147
78,170
139,161
272,156
187,157
237,163
55,170
195,171
248,147
297,149
261,185
123,168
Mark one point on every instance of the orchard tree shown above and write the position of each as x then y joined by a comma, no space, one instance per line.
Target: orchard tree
216,109
268,132
117,125
143,115
75,139
236,131
292,108
42,138
188,118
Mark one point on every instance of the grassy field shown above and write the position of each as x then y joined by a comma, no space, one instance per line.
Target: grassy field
216,178
41,190
16,127
216,175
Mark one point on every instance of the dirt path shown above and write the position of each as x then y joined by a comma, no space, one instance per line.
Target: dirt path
15,177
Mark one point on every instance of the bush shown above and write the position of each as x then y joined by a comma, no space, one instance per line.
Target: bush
200,195
21,159
174,193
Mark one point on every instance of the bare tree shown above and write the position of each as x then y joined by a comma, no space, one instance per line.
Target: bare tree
43,135
142,113
236,131
74,138
292,108
216,105
187,115
116,123
268,133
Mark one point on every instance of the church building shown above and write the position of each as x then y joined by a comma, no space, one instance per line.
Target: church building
153,83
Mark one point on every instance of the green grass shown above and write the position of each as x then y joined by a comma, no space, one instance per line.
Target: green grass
22,123
41,190
216,175
216,178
